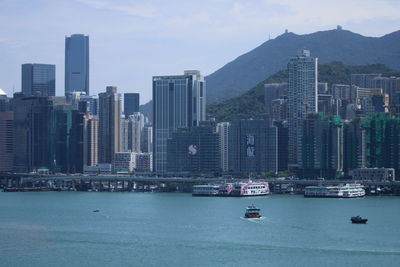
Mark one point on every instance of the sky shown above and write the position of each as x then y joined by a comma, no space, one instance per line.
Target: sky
132,40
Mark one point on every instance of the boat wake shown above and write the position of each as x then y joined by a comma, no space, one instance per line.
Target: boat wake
254,220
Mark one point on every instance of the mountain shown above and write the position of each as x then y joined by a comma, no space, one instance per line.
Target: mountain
251,68
251,104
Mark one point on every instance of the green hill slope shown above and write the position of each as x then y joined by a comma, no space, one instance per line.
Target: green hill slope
251,68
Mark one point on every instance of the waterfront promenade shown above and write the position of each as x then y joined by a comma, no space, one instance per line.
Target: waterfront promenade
32,182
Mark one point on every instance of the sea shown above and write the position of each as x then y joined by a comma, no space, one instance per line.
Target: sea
176,229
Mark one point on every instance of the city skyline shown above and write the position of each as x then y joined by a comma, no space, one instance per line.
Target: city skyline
136,36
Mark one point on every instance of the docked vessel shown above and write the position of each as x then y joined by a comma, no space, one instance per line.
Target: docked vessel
225,189
205,190
252,212
250,188
340,191
358,219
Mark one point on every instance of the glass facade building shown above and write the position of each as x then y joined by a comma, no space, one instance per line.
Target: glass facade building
178,102
77,64
38,79
131,104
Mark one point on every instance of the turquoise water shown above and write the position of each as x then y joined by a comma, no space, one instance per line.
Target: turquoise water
166,229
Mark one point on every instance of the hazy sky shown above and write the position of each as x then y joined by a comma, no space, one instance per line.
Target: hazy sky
132,40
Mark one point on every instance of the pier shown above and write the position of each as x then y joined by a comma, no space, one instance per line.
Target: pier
129,183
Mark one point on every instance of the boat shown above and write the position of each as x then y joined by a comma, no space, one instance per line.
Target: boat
205,190
252,212
358,219
225,189
96,211
340,191
250,188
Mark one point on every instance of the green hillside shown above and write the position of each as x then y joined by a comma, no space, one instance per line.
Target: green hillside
251,104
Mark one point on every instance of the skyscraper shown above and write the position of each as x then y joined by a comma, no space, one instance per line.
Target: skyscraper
252,146
91,133
302,99
77,64
38,79
6,141
178,102
131,104
223,131
109,124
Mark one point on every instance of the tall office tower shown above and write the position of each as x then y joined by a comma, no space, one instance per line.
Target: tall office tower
6,141
68,139
77,64
178,102
109,124
131,132
353,155
196,150
38,79
91,134
146,139
34,128
322,153
223,131
282,147
302,99
131,104
253,146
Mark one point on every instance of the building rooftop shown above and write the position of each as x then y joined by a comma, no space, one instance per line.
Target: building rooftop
2,92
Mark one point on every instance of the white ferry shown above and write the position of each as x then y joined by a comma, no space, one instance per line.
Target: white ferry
340,191
205,190
250,188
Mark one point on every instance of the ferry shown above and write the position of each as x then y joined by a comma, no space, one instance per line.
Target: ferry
250,188
225,189
205,190
340,191
252,212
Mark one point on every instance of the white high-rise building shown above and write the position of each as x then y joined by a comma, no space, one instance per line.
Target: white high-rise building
223,131
179,101
302,99
131,132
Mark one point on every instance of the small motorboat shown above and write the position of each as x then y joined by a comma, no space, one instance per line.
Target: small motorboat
96,211
358,219
252,212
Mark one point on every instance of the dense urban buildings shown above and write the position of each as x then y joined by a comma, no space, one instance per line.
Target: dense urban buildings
178,102
302,99
38,79
309,129
109,124
131,104
77,64
322,146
